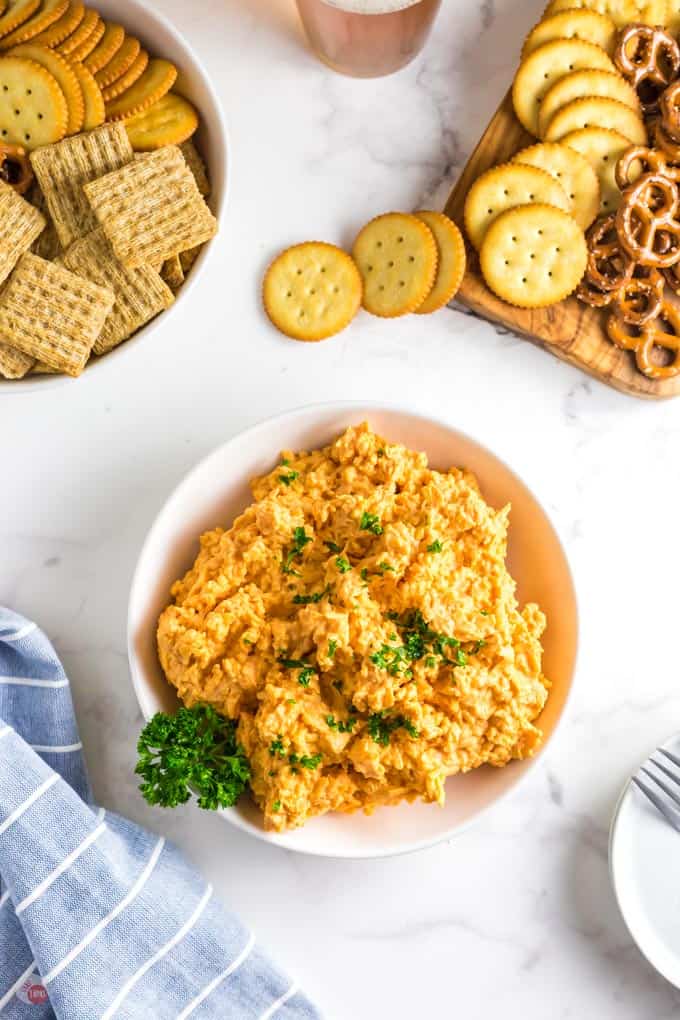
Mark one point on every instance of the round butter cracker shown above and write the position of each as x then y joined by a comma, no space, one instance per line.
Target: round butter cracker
397,257
170,121
119,63
572,171
109,44
85,27
33,110
63,74
450,264
533,256
158,78
575,23
312,291
87,45
622,12
45,15
62,27
16,12
592,111
582,84
602,148
128,78
503,187
545,66
94,108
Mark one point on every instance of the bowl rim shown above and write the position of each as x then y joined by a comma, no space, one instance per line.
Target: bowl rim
41,383
140,684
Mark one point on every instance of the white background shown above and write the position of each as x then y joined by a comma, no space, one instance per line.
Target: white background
514,919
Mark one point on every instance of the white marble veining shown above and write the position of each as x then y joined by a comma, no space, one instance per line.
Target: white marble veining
514,919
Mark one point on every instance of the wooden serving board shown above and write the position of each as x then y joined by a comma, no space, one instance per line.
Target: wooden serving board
570,330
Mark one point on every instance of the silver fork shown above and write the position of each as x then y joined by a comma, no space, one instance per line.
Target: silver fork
669,804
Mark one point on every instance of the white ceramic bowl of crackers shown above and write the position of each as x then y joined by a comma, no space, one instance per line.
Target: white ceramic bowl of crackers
112,183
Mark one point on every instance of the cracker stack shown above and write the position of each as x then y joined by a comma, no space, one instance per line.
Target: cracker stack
106,223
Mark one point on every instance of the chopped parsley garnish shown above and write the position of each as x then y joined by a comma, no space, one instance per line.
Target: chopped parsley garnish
195,752
371,522
364,574
289,477
435,547
310,761
478,645
339,725
306,671
305,600
381,452
343,564
333,547
381,726
300,540
418,640
291,701
384,566
276,747
484,612
276,806
332,648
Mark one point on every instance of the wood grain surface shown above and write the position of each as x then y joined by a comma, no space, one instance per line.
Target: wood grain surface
570,330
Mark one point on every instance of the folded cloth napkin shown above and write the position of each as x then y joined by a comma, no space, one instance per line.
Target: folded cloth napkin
98,918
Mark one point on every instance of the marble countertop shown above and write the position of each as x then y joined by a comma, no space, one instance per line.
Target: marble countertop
515,918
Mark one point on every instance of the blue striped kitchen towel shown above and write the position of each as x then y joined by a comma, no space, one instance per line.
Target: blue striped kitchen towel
98,918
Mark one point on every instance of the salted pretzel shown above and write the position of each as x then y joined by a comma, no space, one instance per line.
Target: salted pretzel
646,223
661,333
640,159
640,298
608,266
649,58
15,167
669,108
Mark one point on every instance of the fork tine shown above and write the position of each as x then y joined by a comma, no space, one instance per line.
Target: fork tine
669,813
671,757
673,776
668,790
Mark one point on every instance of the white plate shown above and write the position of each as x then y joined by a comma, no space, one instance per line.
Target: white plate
644,862
161,39
217,490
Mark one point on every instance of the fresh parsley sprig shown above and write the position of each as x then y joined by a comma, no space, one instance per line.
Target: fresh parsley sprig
196,752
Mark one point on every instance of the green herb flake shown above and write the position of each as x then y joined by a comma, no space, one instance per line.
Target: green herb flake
289,477
310,761
478,645
381,453
306,600
276,806
430,661
291,701
333,547
306,671
338,685
384,567
300,540
381,726
192,752
435,547
343,564
371,522
332,648
276,747
364,574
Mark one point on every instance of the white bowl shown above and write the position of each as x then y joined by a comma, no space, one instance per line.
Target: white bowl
217,490
161,39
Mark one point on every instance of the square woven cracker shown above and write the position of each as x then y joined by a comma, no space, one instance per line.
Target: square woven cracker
195,163
139,293
151,208
14,364
51,314
47,243
172,272
187,258
20,224
64,168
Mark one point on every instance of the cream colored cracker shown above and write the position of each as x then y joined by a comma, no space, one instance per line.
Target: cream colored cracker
63,169
20,225
140,294
151,208
51,314
172,272
14,364
194,161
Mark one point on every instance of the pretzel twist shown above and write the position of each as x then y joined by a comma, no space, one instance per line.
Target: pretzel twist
646,223
649,58
641,159
639,299
15,167
669,108
661,333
